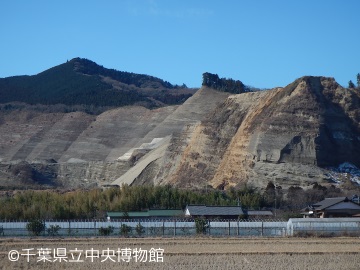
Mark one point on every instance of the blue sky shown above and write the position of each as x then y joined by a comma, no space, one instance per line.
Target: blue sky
263,43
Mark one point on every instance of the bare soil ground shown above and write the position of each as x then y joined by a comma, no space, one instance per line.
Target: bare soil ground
187,253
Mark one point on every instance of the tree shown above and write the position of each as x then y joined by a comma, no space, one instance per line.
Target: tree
358,79
223,84
140,230
273,195
269,194
36,227
316,194
201,225
296,198
351,84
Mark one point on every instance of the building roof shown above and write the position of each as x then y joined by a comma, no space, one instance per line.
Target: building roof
148,213
329,202
165,212
202,210
332,204
259,213
127,214
344,205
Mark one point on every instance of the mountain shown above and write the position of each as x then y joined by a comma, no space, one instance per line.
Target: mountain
223,136
83,82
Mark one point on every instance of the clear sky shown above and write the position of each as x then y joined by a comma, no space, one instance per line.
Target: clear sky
263,43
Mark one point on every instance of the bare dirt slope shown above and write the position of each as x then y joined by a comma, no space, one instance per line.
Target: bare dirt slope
134,172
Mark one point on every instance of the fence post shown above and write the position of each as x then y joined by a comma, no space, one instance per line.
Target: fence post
95,227
262,228
44,233
229,228
163,229
175,227
237,231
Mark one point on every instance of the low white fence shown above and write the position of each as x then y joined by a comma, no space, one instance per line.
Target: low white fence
151,228
323,227
175,228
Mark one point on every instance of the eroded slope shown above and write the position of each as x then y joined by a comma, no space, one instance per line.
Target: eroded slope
286,135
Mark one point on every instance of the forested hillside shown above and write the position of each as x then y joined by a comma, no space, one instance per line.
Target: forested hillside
79,204
83,82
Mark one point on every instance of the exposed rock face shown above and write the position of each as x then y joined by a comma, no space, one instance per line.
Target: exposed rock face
285,134
77,136
85,149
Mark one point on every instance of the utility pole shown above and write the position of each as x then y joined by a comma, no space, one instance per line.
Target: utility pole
275,201
275,186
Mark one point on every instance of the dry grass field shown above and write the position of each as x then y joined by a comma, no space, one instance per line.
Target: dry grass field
184,253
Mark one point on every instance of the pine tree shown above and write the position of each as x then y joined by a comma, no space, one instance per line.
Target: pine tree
351,84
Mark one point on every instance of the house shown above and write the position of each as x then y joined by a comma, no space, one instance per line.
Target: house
148,214
332,207
212,212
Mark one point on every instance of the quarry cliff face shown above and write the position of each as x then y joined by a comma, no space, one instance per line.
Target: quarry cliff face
286,135
81,150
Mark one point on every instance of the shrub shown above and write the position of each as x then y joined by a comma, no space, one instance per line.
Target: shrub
308,234
125,230
53,230
106,231
24,171
35,227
